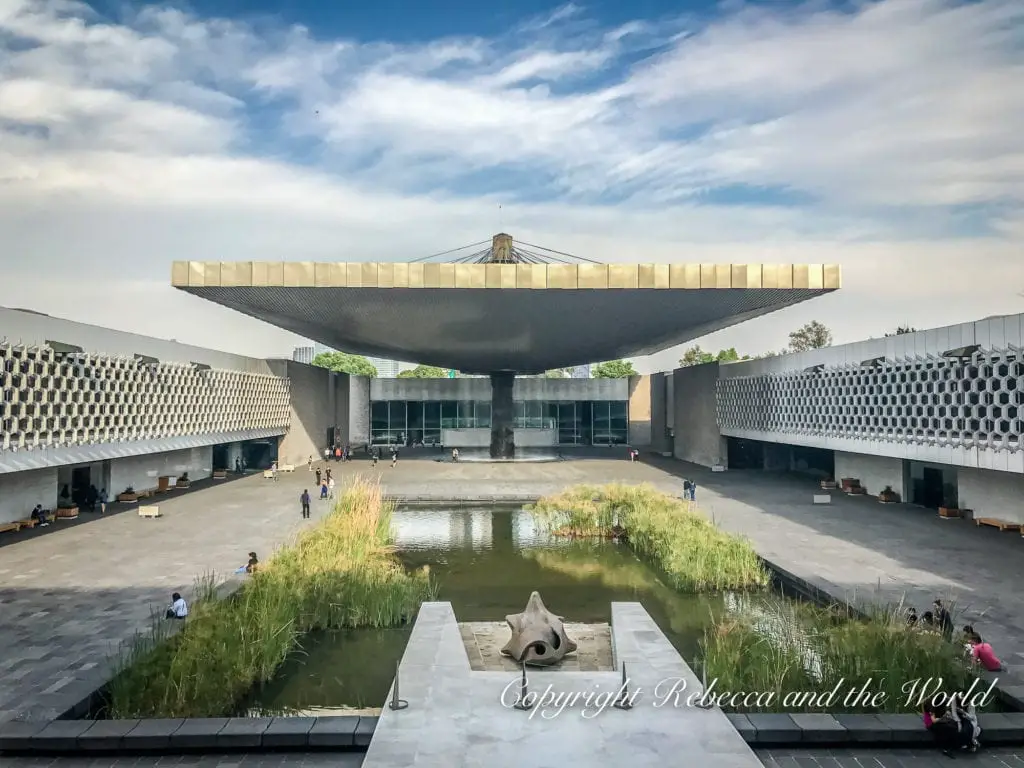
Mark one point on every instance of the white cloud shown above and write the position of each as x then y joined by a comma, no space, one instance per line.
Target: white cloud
127,143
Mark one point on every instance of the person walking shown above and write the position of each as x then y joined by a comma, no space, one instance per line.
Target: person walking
319,474
273,471
323,490
394,456
330,489
309,463
103,500
304,500
375,455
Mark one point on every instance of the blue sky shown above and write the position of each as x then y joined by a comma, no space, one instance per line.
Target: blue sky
884,135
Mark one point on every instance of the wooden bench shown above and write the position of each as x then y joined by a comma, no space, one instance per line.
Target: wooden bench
28,523
287,468
995,522
268,474
822,498
149,510
220,474
9,527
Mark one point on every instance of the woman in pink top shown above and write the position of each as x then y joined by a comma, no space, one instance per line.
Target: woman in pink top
983,652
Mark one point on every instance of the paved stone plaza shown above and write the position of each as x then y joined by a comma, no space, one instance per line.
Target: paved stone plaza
860,548
70,595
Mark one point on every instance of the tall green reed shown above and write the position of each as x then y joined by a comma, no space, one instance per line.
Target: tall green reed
341,573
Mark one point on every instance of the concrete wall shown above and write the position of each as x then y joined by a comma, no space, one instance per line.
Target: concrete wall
480,389
697,438
874,472
31,328
359,409
21,491
319,401
992,494
660,442
640,410
143,472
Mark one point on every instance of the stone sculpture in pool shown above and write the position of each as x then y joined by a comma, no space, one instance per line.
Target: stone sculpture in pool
538,636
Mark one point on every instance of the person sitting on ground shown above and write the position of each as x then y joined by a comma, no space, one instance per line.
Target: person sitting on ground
911,616
179,608
254,563
39,515
953,723
982,652
928,622
943,619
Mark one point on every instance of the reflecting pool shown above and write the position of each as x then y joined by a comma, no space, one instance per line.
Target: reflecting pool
486,562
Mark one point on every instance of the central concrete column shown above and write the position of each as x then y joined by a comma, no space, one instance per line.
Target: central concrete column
503,413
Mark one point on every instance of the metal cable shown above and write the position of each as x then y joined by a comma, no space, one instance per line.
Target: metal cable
560,253
453,250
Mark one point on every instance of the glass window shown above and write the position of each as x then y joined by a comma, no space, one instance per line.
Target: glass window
449,414
432,414
397,416
465,415
415,414
379,415
483,414
534,414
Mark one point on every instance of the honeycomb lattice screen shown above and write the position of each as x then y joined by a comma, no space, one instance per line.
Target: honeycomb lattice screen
974,403
80,399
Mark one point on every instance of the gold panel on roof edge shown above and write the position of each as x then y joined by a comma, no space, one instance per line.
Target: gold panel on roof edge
231,274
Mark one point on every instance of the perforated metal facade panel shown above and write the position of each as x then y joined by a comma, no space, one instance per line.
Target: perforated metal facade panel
975,403
86,399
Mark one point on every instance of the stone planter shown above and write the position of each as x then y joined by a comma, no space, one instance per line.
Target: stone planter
127,497
220,474
67,513
949,512
828,485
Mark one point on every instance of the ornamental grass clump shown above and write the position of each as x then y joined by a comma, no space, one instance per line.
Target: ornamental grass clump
694,554
789,654
341,573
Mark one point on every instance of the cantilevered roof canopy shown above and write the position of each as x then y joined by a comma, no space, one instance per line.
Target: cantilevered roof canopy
486,317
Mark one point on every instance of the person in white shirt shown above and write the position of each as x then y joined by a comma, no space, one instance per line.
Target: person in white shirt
330,488
179,608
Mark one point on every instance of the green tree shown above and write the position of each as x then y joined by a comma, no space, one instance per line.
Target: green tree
814,335
697,356
424,372
343,362
614,369
902,329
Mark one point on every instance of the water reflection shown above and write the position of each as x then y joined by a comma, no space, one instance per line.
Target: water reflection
486,563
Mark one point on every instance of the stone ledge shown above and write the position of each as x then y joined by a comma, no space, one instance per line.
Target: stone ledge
780,729
207,735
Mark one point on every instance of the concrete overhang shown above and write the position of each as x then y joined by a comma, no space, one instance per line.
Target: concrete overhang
480,318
